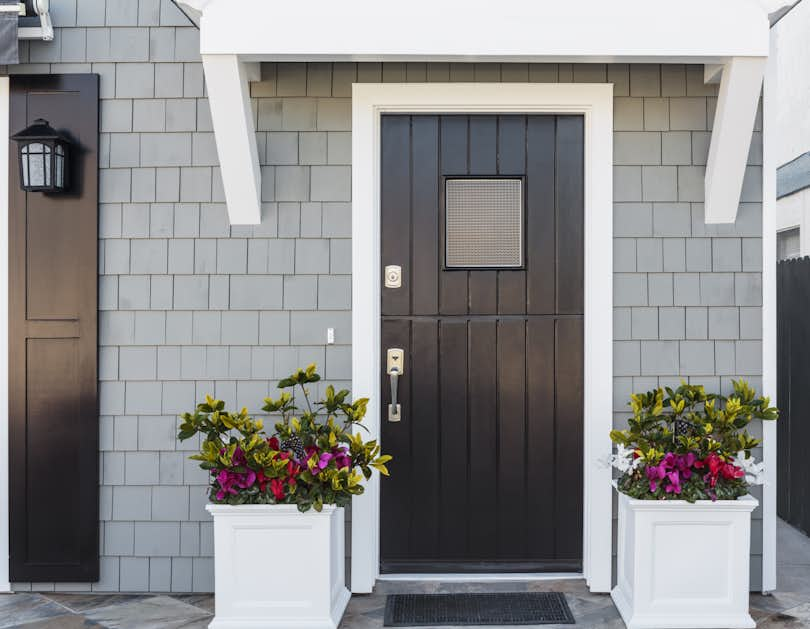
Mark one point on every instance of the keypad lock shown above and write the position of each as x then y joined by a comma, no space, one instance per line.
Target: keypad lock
393,276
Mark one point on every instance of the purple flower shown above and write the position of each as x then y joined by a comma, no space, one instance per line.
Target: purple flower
229,482
654,474
323,461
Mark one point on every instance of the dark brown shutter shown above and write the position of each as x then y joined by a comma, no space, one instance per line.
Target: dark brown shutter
53,330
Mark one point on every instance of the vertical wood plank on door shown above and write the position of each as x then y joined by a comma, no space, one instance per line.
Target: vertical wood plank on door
424,237
540,442
512,505
511,154
541,262
395,198
453,477
511,145
569,390
483,487
453,298
396,501
570,186
424,420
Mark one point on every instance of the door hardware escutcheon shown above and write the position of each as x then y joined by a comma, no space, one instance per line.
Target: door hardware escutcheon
395,367
393,276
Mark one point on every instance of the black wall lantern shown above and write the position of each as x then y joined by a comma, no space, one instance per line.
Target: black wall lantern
43,156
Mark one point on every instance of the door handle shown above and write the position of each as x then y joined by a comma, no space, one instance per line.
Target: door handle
395,368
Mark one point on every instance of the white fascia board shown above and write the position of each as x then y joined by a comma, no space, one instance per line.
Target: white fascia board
737,102
470,30
228,81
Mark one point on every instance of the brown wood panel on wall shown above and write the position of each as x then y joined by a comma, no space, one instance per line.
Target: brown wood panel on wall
53,342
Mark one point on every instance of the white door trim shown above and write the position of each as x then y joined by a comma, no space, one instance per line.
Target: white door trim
5,586
595,101
769,314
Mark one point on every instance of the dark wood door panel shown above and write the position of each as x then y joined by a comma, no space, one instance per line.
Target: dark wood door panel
477,482
492,393
53,323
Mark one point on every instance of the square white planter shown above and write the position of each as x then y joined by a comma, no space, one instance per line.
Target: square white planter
682,564
275,567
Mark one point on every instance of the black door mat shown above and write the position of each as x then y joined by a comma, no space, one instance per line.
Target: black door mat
504,608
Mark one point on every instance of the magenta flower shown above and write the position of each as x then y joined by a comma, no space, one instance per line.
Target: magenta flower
229,482
322,462
654,474
674,482
342,458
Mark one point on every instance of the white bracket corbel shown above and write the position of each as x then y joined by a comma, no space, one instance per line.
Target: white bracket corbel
737,102
42,9
228,81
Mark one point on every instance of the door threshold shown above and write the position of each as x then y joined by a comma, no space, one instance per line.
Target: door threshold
455,577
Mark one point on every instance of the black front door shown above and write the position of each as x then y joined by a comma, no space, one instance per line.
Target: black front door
484,217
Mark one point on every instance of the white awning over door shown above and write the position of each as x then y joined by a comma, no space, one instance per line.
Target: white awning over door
729,37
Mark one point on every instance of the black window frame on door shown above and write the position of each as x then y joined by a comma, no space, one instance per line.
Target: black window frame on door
443,179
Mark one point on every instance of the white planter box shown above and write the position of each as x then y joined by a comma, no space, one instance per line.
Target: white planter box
275,567
683,565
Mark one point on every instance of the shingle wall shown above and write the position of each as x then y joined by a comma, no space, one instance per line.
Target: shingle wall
192,306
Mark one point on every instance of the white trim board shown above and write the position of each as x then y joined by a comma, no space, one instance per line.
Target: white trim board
769,315
5,586
595,102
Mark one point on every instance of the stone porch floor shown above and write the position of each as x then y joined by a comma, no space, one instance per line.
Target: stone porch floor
789,607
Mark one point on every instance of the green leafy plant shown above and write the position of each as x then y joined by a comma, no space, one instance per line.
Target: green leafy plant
688,444
314,457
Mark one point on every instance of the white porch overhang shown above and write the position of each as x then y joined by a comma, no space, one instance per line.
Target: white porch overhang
729,37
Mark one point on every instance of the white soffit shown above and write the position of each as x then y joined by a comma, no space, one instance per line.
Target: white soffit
729,36
470,30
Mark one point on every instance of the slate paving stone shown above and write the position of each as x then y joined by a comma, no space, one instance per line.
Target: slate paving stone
202,601
70,621
79,603
17,609
788,608
158,612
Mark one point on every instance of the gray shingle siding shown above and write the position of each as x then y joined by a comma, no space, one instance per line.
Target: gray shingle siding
190,305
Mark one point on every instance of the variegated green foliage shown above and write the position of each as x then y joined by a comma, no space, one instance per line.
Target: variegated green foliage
313,458
714,423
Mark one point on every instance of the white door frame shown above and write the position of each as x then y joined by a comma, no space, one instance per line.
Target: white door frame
5,112
595,102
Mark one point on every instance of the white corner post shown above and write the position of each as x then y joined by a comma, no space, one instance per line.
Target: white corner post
769,315
228,81
595,103
5,585
740,87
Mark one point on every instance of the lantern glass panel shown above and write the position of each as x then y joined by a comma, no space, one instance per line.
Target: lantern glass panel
36,165
59,167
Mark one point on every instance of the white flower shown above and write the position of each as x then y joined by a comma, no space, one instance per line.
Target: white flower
623,459
754,472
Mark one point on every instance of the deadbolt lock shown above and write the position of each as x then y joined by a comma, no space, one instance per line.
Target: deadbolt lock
393,276
395,362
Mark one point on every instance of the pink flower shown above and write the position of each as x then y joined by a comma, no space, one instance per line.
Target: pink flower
342,458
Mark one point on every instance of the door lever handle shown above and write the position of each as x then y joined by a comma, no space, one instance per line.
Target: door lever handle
395,368
394,386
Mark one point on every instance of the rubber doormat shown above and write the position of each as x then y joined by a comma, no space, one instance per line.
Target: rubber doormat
504,608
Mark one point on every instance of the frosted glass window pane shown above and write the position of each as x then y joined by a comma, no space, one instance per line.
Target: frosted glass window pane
484,223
